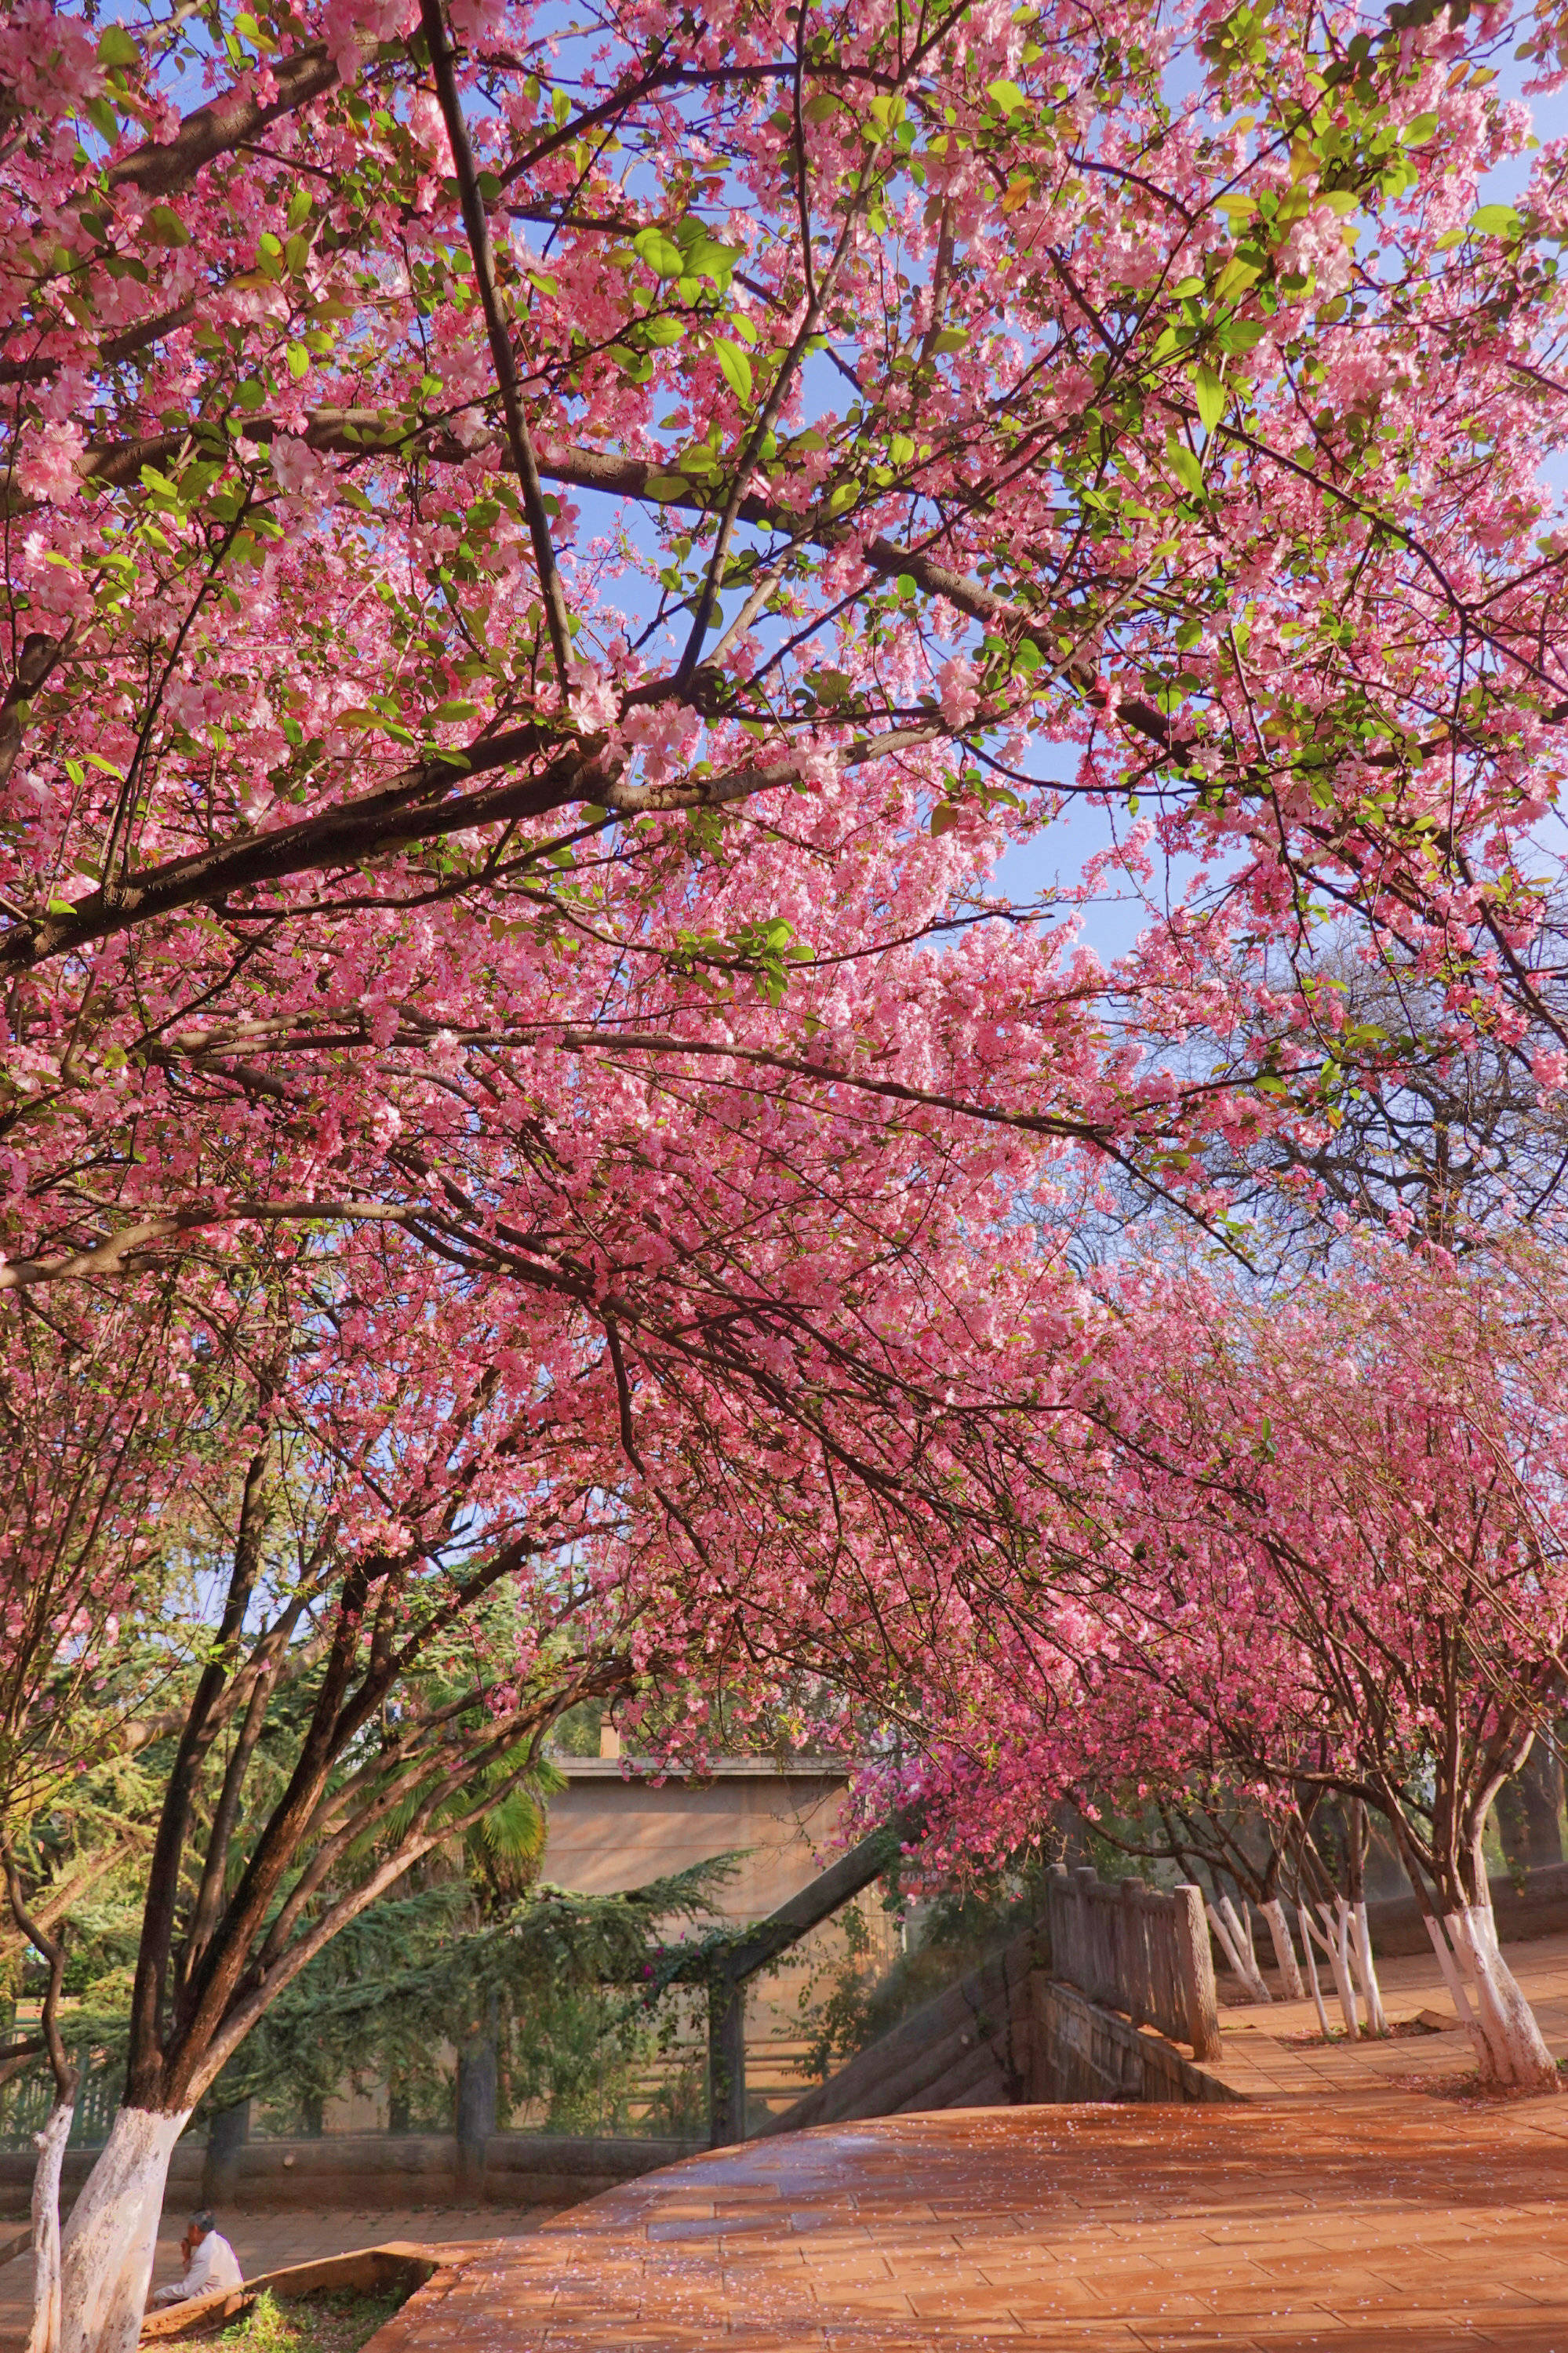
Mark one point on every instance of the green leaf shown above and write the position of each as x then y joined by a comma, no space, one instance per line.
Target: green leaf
1211,397
1185,467
1496,221
735,367
1234,279
943,819
818,108
1006,95
661,253
451,711
102,117
161,226
666,487
951,339
705,257
115,47
1416,133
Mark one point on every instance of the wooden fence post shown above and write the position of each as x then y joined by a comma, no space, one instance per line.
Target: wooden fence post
726,2061
1195,1961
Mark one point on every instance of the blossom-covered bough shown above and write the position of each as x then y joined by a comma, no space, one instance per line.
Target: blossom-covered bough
748,440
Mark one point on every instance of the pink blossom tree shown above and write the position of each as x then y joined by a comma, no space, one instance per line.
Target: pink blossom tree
680,1389
541,566
1320,1548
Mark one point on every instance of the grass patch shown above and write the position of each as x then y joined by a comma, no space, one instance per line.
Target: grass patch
333,2320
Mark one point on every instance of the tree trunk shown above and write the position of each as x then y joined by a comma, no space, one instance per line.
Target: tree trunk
1240,1920
226,2137
1312,1972
45,2336
1232,1940
1507,2019
476,2094
1284,1950
1366,1969
1454,1978
1338,1966
1497,2063
106,2253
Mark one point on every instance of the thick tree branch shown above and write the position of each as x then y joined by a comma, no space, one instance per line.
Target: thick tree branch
163,167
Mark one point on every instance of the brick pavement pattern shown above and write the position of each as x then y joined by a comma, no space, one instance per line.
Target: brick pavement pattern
1333,2206
1377,2222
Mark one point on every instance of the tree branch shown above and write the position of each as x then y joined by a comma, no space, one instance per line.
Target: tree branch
52,1949
476,221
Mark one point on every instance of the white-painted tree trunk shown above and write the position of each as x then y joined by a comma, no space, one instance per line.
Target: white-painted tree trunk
1340,1932
1453,1978
1366,1969
1222,1935
1312,1971
1284,1950
1241,1924
50,2143
1335,1954
1508,2021
1237,1947
106,2253
1497,2060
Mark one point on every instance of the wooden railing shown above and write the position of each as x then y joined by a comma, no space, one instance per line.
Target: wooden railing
727,1981
1140,1949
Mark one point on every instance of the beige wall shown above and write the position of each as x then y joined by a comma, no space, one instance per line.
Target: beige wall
608,1831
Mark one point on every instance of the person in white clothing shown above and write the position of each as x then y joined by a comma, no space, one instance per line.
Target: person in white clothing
210,2262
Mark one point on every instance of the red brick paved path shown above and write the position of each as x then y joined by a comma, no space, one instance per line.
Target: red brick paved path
1380,2221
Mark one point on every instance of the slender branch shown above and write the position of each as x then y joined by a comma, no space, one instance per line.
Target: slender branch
52,1949
476,221
196,1739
